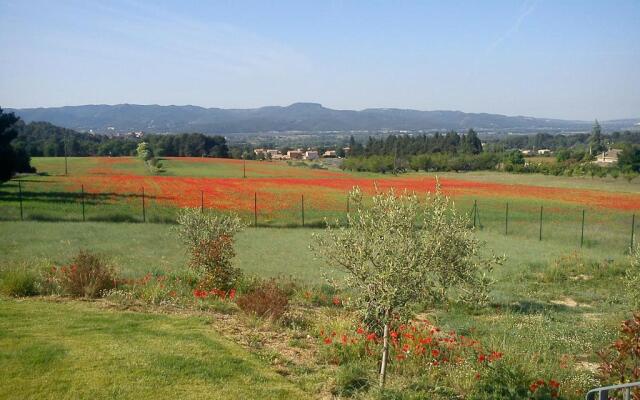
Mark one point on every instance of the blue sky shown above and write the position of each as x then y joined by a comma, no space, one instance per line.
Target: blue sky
560,59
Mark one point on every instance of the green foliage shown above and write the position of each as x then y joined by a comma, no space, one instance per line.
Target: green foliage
18,282
629,159
392,262
620,361
12,159
506,382
209,239
351,379
144,152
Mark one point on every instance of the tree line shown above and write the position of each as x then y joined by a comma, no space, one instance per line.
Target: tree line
38,139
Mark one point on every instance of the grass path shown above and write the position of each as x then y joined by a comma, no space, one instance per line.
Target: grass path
72,350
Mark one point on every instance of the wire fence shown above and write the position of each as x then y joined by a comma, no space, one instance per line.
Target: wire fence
564,224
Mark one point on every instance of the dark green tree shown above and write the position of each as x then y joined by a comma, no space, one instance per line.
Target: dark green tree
596,141
11,161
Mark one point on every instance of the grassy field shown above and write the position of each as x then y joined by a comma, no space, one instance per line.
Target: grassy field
52,350
553,305
140,248
281,194
541,315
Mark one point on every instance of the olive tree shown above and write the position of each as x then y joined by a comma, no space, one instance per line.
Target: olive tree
397,253
209,239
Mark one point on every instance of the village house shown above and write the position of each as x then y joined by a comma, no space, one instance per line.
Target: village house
526,152
294,154
329,154
311,155
544,152
608,157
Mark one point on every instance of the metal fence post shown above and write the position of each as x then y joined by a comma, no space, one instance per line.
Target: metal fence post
302,203
633,227
20,199
83,218
475,211
582,230
201,201
255,209
144,211
506,221
540,235
347,204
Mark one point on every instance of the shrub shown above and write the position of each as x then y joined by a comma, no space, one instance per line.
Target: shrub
18,282
619,362
351,379
209,240
88,275
502,381
267,300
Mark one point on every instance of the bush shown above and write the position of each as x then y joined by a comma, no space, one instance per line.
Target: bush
87,276
266,300
18,282
209,240
505,382
351,379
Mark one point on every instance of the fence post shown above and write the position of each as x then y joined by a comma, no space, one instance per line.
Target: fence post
201,201
20,199
506,221
633,226
255,209
540,236
347,204
144,211
83,218
302,210
582,230
475,207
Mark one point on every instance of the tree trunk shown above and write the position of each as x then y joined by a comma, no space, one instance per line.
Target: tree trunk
385,350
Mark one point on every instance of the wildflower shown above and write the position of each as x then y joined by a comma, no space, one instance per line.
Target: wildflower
426,340
435,353
337,301
481,358
360,330
344,339
327,340
232,294
400,357
554,384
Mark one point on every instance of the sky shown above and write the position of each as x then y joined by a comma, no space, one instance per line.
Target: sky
547,58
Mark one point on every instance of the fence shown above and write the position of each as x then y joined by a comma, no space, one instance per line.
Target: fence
564,224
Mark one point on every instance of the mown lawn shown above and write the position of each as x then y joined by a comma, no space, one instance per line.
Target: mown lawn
75,350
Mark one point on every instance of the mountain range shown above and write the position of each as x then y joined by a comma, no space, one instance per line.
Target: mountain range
306,117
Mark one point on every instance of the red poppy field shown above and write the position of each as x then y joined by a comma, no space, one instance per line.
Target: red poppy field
279,194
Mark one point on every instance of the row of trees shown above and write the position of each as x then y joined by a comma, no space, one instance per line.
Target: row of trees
44,139
405,145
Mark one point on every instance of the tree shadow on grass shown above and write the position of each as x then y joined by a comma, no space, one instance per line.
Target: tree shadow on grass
530,307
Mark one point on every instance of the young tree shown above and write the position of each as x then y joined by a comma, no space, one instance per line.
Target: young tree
397,253
209,239
144,151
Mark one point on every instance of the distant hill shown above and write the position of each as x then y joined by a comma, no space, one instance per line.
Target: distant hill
308,117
